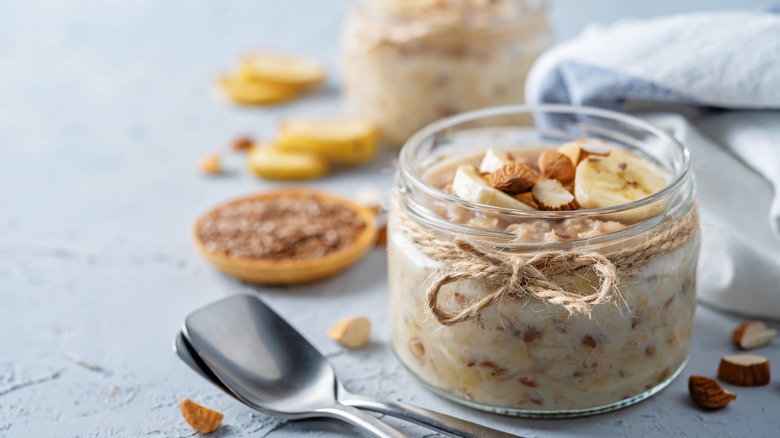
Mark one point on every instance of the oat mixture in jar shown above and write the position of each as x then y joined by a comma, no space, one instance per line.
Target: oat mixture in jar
410,62
543,270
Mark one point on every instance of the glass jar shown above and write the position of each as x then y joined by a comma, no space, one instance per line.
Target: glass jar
409,63
471,313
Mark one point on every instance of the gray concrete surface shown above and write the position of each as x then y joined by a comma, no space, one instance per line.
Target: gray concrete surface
105,109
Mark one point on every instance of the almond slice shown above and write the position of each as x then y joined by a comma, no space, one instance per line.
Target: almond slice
708,394
744,369
201,418
752,334
513,178
551,195
351,332
556,165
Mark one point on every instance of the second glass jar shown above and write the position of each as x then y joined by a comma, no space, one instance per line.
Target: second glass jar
409,63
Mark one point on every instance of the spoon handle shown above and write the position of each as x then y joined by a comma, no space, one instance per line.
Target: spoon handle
450,426
361,420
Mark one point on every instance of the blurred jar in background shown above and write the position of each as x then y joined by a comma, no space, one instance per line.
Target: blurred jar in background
410,62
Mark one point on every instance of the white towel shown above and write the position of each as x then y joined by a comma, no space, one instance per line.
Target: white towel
716,76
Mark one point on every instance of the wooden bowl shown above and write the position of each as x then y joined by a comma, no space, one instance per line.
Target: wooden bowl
293,271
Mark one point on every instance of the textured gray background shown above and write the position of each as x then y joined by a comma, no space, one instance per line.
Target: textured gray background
105,109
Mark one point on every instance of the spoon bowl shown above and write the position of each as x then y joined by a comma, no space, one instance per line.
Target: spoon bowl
250,352
268,365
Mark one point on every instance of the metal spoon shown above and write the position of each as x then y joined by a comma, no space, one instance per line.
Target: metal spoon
445,424
246,347
245,320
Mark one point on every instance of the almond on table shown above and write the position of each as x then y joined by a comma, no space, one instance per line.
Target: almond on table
351,332
744,369
708,393
201,418
242,144
753,334
211,164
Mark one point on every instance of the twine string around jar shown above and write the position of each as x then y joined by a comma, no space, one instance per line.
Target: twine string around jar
517,276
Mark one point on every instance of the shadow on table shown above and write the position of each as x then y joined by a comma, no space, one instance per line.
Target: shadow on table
369,273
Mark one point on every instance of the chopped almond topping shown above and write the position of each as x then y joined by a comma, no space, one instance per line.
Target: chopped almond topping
550,195
555,165
513,178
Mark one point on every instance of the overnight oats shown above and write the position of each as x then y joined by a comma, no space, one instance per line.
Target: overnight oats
410,62
543,271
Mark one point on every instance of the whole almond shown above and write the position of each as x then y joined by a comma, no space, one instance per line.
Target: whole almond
708,394
211,164
744,369
242,144
555,165
351,332
513,178
752,334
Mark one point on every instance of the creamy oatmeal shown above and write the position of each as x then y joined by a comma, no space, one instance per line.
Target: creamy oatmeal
526,355
408,63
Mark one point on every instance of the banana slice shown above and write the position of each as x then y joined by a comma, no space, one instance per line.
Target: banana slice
616,179
281,69
494,160
271,163
582,148
255,93
469,185
349,141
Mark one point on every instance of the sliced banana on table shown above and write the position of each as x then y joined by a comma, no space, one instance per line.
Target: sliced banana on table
281,69
272,163
468,184
349,141
255,93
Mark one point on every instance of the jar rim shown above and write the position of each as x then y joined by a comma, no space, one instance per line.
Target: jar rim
417,140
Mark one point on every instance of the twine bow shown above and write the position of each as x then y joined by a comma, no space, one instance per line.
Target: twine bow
519,276
510,275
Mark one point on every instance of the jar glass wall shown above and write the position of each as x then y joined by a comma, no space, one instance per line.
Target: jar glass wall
409,63
519,352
